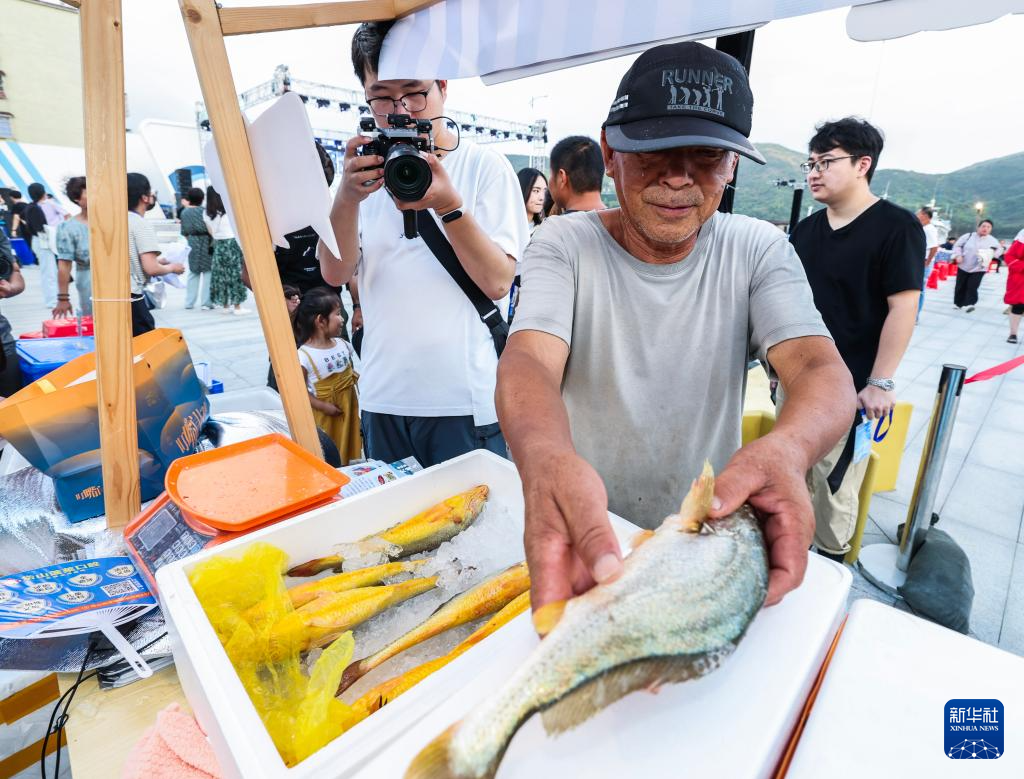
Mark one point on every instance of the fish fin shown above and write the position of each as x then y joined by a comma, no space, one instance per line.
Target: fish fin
697,502
639,538
547,616
589,698
434,760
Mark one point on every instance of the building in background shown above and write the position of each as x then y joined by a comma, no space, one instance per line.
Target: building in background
41,124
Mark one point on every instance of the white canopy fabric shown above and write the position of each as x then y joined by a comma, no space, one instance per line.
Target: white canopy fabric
898,18
501,40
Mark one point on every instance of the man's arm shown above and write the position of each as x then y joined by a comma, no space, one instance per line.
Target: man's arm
770,473
360,177
63,308
931,254
486,263
357,308
153,267
13,286
896,333
569,541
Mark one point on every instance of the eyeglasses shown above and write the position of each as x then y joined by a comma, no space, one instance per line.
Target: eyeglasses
820,166
411,102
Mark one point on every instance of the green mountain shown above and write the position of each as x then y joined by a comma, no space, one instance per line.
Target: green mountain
998,183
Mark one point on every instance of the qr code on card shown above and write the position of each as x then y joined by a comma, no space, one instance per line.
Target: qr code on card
120,588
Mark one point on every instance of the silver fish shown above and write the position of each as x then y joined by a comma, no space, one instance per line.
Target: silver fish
685,597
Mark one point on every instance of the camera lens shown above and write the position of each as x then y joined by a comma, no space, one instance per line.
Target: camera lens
406,174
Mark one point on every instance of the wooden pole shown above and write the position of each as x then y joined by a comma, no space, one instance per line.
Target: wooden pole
211,58
103,82
274,18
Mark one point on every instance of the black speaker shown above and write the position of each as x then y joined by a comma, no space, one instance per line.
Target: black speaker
183,181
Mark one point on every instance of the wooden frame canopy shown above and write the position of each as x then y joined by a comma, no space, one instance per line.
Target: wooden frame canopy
106,170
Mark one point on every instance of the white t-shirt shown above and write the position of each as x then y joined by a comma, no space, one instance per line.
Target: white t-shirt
425,351
321,363
931,239
219,227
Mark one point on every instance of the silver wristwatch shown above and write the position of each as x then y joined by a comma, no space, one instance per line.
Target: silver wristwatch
883,384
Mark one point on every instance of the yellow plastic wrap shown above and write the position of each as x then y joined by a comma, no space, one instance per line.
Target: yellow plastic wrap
301,713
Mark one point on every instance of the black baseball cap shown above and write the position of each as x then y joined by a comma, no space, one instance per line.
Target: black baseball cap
682,94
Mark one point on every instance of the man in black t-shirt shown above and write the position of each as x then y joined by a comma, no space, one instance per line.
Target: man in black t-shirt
862,256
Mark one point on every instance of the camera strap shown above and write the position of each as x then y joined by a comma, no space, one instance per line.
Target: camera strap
445,254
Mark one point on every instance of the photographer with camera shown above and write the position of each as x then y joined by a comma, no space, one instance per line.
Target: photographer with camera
429,360
12,283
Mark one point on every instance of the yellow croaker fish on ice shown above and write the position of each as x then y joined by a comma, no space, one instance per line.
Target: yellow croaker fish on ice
302,594
427,530
682,603
385,692
321,621
479,601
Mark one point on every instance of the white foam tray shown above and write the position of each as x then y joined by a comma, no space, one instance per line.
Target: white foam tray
214,691
881,709
734,723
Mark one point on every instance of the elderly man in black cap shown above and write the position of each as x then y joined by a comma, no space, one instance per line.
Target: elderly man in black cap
631,343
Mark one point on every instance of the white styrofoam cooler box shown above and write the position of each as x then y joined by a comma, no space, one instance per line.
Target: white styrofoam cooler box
735,722
213,689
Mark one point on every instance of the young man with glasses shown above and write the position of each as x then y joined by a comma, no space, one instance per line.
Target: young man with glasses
862,256
428,361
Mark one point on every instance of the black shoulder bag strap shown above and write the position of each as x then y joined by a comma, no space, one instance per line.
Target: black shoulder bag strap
442,249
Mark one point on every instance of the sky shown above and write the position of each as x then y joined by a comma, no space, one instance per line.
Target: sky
943,99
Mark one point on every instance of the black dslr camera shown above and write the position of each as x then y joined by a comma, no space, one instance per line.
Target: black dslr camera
407,175
6,269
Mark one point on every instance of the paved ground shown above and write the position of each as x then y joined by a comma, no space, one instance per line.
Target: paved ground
981,497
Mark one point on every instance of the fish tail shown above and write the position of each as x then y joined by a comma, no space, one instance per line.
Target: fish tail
351,675
434,760
697,502
313,567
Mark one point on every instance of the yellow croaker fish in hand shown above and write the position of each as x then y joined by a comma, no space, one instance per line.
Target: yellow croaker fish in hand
479,601
321,621
427,530
682,603
385,692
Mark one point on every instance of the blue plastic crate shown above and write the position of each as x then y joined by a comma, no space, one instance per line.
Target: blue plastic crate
39,356
22,251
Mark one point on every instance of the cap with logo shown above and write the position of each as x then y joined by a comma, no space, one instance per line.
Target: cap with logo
682,94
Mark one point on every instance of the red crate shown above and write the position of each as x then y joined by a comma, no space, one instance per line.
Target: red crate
65,328
33,334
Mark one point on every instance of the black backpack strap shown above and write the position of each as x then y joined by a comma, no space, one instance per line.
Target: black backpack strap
445,254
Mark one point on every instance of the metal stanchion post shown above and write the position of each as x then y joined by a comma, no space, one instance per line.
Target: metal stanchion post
886,565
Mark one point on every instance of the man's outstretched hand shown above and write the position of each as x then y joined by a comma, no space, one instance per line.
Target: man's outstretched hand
766,474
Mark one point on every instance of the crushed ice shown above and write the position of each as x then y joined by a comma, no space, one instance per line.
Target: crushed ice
488,546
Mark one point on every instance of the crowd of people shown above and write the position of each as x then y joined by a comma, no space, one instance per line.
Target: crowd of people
623,365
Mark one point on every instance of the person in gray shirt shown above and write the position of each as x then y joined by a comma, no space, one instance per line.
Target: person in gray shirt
627,361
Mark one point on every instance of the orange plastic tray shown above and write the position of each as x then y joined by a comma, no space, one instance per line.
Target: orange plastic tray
244,485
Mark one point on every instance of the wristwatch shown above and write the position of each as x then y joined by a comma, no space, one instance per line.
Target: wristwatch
883,384
451,216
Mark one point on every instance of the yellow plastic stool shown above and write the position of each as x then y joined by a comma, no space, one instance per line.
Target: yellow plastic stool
867,488
890,448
